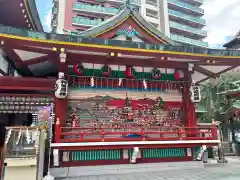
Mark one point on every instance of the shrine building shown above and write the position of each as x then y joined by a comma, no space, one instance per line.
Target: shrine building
119,93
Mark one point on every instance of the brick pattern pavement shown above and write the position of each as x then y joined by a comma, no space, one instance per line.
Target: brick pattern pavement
220,172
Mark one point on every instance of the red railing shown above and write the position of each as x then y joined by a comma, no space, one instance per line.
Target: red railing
113,83
133,133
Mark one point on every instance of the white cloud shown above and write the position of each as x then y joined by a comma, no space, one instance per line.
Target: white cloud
222,19
47,21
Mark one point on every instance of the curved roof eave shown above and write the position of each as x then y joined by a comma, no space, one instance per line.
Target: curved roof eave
232,42
127,11
34,15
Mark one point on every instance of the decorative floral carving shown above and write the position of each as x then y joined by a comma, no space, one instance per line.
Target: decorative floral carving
106,70
79,69
156,73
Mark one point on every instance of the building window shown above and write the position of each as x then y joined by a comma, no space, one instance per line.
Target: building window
152,2
151,13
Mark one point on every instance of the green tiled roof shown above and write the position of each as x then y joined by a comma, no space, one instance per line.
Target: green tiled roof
127,11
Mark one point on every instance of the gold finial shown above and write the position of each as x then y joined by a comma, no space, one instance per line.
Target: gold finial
62,50
119,54
58,121
54,49
112,54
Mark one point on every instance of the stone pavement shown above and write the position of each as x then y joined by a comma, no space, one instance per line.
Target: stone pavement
228,171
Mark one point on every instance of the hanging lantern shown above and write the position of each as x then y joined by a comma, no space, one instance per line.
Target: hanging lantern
195,93
61,87
79,69
156,73
106,71
178,75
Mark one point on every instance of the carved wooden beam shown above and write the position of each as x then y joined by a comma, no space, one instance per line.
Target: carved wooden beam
37,60
109,49
205,71
97,59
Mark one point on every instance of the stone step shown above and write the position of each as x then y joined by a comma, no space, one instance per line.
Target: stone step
123,169
229,154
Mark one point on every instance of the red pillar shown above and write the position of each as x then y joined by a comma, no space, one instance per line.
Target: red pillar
57,136
61,104
189,109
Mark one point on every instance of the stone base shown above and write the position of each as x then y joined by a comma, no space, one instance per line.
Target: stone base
222,161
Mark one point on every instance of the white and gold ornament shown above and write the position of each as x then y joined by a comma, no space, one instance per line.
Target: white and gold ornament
145,84
92,83
119,81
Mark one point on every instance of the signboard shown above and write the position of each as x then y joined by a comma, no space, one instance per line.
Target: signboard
44,115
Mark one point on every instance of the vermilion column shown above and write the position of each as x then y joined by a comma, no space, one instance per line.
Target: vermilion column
189,108
61,104
61,111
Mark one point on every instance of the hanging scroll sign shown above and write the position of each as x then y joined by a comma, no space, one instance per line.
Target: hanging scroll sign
195,92
44,115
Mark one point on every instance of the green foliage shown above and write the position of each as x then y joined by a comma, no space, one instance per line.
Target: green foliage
214,97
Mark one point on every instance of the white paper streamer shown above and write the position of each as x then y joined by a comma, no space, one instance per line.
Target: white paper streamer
28,138
8,136
19,137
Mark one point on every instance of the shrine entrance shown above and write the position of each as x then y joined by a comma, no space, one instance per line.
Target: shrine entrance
20,115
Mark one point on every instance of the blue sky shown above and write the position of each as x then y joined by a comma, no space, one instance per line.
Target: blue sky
44,10
223,22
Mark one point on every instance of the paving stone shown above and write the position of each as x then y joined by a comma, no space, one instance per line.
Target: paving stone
228,171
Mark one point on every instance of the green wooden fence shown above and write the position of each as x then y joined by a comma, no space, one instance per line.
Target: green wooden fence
92,155
163,153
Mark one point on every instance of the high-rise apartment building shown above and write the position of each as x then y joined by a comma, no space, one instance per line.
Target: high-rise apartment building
181,20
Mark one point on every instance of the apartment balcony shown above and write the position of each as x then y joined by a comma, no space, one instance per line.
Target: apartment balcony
185,40
187,30
81,21
188,8
120,2
87,8
194,2
179,16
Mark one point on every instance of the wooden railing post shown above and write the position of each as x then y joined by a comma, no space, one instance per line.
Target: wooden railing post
180,133
57,131
143,133
102,134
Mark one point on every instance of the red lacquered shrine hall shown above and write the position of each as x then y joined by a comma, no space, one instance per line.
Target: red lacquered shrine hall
125,93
